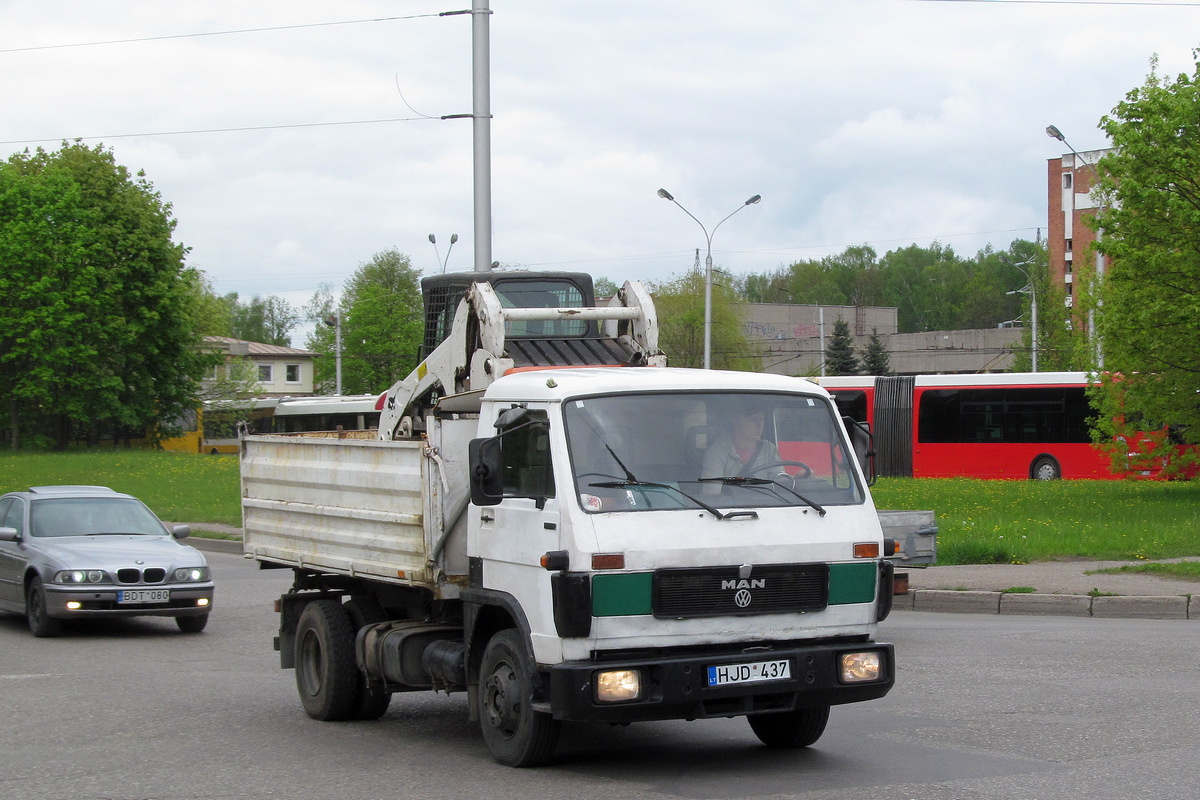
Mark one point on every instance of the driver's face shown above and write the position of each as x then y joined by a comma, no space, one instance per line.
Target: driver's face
749,426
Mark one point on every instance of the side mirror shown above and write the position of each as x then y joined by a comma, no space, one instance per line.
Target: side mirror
181,531
487,480
863,443
9,535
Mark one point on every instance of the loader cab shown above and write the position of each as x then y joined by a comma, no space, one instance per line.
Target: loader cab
442,293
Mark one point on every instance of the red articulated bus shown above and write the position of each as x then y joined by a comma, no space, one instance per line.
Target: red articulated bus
1005,425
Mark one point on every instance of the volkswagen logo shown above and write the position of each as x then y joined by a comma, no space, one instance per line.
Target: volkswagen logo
742,598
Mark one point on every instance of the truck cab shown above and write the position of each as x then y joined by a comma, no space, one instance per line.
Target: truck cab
652,585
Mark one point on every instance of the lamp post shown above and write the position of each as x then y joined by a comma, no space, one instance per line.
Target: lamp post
1032,307
664,194
334,321
1054,133
443,261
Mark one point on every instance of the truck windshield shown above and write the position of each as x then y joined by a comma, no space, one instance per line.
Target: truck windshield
646,451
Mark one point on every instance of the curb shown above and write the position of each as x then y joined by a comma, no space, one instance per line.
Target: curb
1069,605
968,602
214,545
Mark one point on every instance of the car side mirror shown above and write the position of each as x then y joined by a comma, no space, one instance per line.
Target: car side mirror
9,535
487,480
181,531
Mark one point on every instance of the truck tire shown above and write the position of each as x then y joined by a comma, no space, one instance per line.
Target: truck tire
798,728
326,675
41,624
516,735
373,698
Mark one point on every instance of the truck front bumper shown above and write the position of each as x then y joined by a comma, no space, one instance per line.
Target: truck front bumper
680,687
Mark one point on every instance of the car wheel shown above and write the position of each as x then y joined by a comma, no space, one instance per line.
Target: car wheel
516,735
41,624
798,728
373,696
326,675
1045,468
192,624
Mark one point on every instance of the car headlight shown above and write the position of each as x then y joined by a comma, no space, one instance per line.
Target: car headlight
185,574
81,576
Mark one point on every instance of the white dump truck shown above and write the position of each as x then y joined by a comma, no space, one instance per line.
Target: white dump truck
548,521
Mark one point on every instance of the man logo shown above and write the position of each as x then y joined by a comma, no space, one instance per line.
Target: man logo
757,583
742,598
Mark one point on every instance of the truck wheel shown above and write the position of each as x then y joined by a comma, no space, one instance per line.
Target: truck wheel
326,675
798,728
517,735
373,699
41,624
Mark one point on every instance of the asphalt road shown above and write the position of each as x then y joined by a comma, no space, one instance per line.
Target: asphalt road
985,707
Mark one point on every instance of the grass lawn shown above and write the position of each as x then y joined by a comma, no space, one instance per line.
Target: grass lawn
999,522
179,487
979,522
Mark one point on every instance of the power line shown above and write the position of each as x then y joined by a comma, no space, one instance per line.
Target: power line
1152,3
223,130
220,33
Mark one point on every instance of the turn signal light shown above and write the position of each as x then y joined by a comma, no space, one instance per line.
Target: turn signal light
866,550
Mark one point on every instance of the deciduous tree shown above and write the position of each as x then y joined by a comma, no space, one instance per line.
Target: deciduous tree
1150,318
100,335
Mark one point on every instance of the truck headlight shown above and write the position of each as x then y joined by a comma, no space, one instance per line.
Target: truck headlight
618,686
861,667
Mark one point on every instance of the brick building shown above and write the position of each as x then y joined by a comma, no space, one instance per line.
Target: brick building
1070,179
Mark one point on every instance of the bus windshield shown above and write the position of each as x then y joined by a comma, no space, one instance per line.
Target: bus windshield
646,451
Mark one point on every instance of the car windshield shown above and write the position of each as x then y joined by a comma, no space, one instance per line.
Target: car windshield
643,451
92,516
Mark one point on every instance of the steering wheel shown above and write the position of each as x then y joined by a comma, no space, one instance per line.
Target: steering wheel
806,470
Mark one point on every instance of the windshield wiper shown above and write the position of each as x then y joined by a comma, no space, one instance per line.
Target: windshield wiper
652,484
738,480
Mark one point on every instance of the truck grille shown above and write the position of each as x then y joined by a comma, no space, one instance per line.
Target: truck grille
723,591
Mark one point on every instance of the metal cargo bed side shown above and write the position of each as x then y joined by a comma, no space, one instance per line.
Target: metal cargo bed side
350,506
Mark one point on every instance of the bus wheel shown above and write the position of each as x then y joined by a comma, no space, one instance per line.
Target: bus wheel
798,728
1045,468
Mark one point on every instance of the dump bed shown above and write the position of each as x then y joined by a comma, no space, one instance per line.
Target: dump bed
351,506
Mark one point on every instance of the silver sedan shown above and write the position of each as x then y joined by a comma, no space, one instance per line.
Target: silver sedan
73,552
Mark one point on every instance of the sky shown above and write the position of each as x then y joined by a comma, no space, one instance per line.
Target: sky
295,140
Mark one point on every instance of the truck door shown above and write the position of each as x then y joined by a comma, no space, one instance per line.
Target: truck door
511,536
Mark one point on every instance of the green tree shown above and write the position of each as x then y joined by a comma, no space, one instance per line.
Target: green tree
101,331
839,352
875,360
680,306
382,325
268,320
1149,322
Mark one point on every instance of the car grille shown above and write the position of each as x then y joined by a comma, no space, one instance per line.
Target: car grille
723,591
135,575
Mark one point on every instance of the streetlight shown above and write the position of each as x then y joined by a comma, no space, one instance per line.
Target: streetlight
334,321
664,194
1054,133
1033,305
442,261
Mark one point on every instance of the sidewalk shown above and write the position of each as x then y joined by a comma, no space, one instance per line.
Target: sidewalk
1062,588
